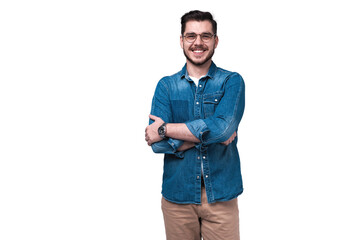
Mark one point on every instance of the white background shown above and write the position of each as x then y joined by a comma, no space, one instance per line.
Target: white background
77,79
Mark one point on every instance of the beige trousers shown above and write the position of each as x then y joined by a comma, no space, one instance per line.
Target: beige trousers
215,221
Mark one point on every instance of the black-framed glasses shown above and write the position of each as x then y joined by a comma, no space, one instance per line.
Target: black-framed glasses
205,37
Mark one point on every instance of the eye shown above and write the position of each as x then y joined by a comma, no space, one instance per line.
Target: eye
206,36
190,36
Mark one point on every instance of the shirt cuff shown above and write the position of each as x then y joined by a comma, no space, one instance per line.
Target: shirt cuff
168,146
198,128
175,144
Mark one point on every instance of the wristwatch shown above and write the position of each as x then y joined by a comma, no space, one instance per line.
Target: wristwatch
162,131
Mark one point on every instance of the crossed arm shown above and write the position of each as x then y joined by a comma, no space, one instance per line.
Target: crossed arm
176,131
221,127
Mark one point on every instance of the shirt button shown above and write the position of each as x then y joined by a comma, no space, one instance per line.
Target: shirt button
204,157
199,85
198,157
206,176
215,100
197,177
197,102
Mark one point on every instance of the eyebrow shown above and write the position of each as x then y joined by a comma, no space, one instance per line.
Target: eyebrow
198,33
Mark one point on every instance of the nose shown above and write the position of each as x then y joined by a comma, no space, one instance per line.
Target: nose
198,40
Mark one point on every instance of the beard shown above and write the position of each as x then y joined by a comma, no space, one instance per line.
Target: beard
199,47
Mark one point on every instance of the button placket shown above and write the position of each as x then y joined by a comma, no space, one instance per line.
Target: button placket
197,103
197,115
198,174
205,166
206,176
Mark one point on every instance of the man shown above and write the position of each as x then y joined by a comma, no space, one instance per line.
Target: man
194,119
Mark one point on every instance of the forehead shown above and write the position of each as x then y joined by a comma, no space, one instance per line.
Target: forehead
198,26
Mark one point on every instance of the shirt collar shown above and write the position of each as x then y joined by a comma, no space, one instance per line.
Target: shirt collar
211,73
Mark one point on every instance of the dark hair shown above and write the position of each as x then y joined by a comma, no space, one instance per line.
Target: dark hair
197,16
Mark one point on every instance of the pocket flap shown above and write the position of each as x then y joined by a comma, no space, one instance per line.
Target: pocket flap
213,98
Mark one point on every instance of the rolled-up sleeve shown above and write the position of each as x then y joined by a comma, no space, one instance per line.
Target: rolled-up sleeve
168,146
197,128
225,121
160,107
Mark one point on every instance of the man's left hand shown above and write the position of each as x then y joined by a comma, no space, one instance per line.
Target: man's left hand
227,142
151,131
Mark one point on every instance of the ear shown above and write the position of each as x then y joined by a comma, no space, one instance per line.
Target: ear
216,41
181,42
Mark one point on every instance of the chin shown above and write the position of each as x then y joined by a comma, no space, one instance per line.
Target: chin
199,62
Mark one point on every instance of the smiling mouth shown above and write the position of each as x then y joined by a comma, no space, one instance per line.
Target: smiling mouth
198,51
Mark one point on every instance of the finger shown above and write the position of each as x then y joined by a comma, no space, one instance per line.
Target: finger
152,117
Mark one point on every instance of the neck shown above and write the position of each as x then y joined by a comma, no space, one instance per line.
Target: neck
198,71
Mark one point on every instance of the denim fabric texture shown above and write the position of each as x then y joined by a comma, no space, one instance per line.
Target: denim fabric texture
212,111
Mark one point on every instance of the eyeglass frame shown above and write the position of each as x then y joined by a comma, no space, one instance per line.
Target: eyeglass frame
199,34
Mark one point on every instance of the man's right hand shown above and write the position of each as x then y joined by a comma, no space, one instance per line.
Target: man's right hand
151,131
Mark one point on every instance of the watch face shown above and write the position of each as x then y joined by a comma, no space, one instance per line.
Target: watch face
162,131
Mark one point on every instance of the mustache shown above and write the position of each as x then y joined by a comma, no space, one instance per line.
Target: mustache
198,47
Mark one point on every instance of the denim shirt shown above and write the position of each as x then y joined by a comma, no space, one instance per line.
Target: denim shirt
212,111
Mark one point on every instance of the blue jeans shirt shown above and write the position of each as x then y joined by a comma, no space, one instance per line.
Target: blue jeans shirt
212,111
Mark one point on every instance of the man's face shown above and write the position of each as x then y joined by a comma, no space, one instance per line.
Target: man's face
199,52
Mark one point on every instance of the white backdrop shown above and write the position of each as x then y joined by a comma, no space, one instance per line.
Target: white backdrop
77,79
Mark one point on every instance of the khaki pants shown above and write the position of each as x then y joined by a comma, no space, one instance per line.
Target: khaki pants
216,221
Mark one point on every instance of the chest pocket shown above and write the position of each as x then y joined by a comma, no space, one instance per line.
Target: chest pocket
211,100
180,110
